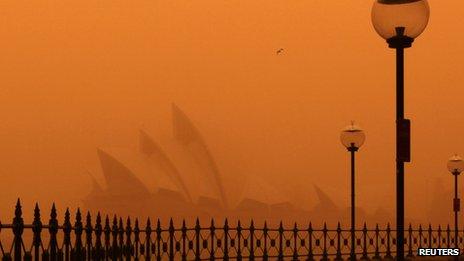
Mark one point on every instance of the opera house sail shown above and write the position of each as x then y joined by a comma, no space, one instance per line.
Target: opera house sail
186,133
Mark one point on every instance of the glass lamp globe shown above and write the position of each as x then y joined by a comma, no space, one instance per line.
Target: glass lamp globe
388,15
352,136
455,164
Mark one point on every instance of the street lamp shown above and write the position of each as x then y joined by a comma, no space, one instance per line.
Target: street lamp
455,166
399,22
352,137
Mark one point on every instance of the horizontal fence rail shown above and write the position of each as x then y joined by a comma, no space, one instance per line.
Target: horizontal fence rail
118,239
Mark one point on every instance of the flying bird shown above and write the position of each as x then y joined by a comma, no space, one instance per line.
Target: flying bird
280,51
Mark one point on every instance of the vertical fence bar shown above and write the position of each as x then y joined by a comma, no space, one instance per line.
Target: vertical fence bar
295,242
364,254
171,240
226,240
410,254
78,229
18,227
158,240
265,235
88,236
252,238
420,236
338,256
121,239
388,252
98,234
136,238
67,234
239,237
211,234
107,231
430,235
37,229
147,240
281,245
184,241
448,234
197,239
377,254
128,239
324,253
114,233
439,236
53,230
310,244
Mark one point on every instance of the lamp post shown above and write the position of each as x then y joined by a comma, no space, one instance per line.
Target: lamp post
399,22
352,137
456,166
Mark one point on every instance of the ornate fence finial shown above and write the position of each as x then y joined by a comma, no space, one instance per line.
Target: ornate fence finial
18,227
36,229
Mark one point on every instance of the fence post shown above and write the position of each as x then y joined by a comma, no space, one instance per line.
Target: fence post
377,254
388,252
281,247
136,238
18,227
364,255
107,231
410,254
78,232
226,240
295,242
67,234
88,236
184,240
37,229
324,253
211,234
338,256
98,233
171,240
197,240
430,235
147,240
265,231
252,238
128,239
310,239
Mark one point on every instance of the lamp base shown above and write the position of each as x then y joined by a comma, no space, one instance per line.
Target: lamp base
400,41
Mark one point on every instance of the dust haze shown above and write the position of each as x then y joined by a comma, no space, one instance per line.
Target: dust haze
80,75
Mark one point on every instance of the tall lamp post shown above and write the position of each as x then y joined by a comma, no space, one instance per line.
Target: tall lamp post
352,137
456,166
399,22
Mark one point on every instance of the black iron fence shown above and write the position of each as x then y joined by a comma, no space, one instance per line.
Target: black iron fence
118,239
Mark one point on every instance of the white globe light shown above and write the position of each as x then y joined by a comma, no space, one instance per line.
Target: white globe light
352,136
455,164
388,15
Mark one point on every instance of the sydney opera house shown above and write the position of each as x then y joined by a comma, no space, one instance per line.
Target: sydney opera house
181,179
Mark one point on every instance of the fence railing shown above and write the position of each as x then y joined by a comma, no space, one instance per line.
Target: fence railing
118,239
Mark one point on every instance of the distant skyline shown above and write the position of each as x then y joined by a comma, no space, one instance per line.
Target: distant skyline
75,76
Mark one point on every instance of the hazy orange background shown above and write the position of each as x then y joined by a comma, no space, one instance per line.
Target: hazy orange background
75,75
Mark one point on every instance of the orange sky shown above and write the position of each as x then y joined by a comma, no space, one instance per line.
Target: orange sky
75,75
